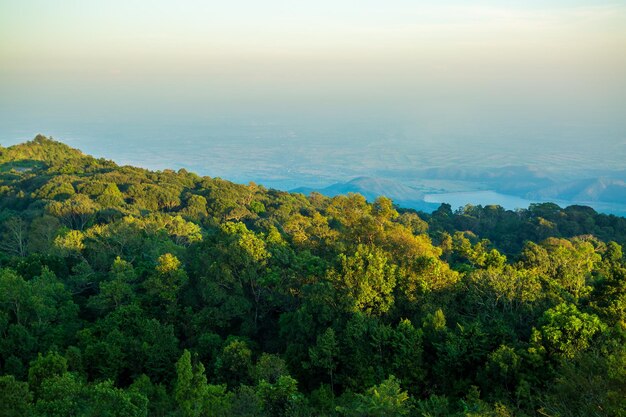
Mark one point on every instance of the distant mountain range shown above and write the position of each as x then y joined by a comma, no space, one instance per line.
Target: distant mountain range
519,181
607,190
371,188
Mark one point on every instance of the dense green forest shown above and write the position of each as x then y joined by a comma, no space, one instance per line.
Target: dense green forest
127,292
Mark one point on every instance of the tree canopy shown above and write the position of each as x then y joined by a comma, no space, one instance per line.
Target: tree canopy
129,292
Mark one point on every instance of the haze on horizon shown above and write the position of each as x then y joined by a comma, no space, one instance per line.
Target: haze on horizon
158,83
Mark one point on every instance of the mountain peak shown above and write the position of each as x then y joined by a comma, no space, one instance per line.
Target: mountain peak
43,152
42,149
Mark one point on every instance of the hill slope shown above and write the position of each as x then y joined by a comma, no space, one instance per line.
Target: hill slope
128,292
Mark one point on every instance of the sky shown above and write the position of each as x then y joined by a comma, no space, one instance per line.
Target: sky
530,71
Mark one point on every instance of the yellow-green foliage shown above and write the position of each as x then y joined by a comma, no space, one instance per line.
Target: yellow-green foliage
125,291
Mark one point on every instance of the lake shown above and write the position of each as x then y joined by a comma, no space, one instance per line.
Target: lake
510,202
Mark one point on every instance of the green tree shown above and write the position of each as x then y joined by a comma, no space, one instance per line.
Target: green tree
269,368
165,284
14,295
280,398
76,212
111,196
15,236
324,354
43,230
66,395
193,395
591,384
45,367
386,399
368,278
119,289
234,364
191,386
15,398
565,330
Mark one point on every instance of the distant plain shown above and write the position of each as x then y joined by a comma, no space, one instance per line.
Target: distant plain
451,167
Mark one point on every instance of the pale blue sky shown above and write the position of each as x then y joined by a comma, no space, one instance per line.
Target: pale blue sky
439,65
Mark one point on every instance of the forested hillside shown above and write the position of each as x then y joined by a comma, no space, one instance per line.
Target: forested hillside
126,292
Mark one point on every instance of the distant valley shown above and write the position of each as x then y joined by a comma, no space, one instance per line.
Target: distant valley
511,187
414,173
